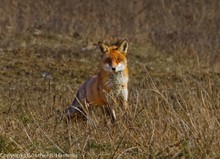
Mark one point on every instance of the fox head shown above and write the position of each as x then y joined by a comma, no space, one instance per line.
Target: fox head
114,57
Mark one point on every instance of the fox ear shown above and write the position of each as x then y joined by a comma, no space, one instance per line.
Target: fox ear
123,47
104,48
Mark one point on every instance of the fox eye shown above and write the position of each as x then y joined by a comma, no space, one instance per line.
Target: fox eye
107,60
118,60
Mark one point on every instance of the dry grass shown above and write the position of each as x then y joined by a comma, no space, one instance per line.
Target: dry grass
174,84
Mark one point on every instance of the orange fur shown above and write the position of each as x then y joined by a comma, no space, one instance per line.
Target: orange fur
109,86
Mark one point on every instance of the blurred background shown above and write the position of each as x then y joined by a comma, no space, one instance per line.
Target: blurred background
164,23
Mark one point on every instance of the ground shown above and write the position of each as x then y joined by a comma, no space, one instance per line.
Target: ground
173,102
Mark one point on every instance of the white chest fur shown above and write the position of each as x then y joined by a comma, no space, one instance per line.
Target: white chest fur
116,83
116,80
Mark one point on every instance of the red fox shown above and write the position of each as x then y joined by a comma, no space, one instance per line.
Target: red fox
107,88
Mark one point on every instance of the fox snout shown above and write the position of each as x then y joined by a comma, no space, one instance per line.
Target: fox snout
115,68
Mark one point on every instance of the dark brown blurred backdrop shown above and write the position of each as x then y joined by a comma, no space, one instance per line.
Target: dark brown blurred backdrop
166,23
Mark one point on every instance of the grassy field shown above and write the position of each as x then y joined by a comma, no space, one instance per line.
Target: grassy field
174,95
